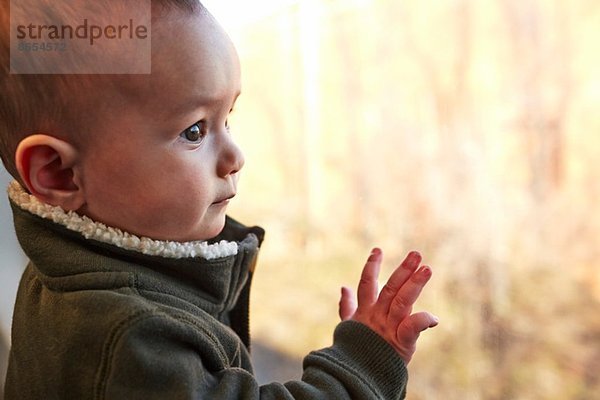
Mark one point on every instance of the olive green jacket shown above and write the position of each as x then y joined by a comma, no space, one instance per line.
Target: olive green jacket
94,320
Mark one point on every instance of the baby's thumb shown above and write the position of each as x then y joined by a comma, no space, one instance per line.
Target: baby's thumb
347,304
412,326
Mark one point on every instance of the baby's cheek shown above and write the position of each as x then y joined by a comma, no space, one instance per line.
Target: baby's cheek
174,214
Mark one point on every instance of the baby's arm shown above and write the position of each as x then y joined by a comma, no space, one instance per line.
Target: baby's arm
157,354
389,314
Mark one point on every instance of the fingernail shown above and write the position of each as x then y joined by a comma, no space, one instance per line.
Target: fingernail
426,271
436,321
412,260
374,254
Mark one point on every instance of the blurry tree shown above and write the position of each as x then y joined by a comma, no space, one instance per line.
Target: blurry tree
465,129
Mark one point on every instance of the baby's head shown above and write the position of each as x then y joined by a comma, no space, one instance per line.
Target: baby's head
149,154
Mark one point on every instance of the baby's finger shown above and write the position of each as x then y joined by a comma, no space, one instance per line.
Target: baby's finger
411,327
402,303
398,278
347,304
368,287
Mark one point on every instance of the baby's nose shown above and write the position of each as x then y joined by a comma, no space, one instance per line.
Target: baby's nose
231,158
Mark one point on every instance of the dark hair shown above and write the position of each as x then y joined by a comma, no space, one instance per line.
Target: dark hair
48,103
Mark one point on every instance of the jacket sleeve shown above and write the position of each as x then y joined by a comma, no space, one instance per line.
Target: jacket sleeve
147,359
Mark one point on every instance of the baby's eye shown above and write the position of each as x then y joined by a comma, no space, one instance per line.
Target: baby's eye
194,133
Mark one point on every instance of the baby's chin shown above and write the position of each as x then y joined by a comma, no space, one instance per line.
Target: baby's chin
206,232
218,229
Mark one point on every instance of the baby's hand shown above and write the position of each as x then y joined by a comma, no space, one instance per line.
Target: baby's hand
390,314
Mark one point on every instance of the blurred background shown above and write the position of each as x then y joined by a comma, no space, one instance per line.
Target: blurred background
467,130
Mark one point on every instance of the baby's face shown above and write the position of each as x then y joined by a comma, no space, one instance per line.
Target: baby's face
163,164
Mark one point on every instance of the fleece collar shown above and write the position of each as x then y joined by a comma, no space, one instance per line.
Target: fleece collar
114,236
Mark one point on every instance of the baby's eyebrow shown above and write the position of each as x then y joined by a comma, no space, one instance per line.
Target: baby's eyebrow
205,101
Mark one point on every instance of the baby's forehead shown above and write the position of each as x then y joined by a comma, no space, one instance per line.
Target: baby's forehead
192,60
194,65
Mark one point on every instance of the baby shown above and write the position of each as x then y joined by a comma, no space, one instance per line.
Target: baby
138,284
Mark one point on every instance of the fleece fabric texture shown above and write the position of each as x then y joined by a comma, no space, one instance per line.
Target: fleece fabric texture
96,321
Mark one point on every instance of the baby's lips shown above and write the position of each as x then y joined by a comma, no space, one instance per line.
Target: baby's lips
224,199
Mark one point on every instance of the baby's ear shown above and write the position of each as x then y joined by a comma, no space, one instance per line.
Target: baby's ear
47,167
